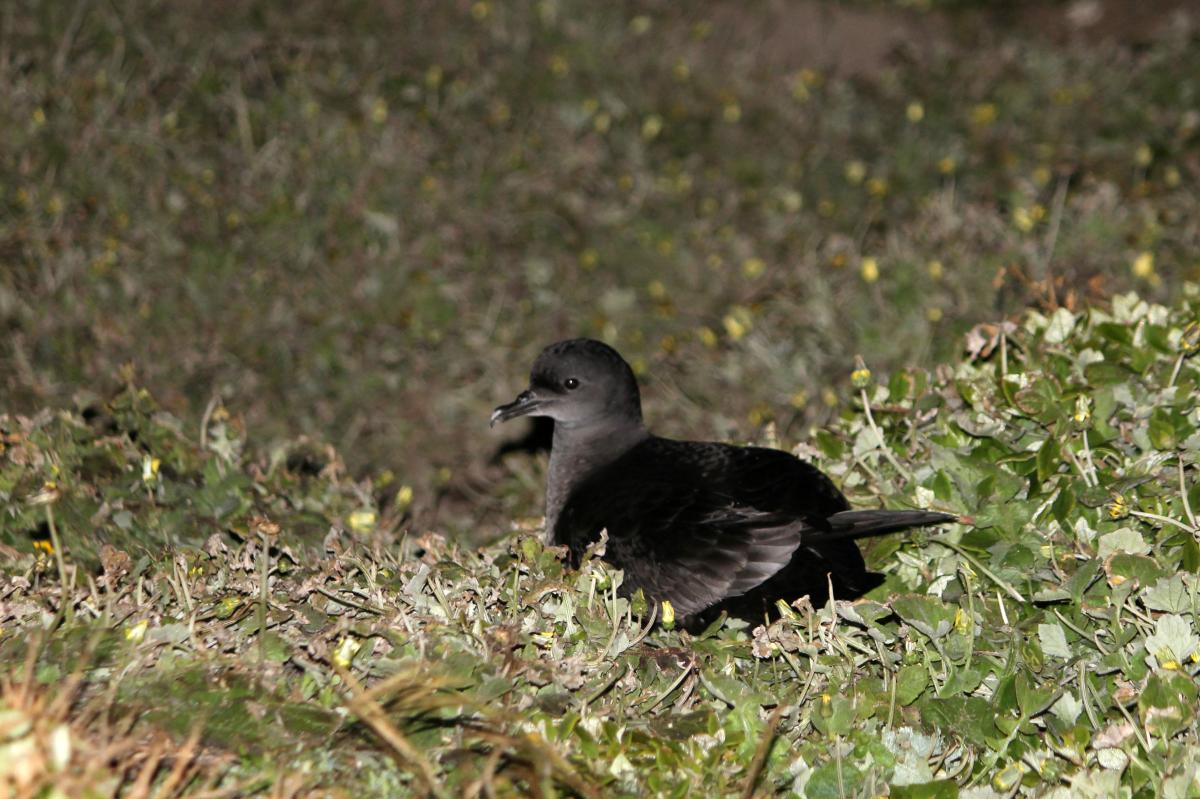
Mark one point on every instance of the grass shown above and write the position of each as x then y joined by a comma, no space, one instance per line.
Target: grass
263,276
368,229
196,616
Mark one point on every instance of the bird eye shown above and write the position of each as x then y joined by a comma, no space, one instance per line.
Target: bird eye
570,384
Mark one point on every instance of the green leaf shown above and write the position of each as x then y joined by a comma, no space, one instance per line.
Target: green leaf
911,682
1054,640
941,789
927,614
1167,704
1049,458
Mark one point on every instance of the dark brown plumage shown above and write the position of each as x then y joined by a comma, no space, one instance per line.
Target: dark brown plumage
705,526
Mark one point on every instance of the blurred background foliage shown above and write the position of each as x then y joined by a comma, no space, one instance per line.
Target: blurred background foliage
361,221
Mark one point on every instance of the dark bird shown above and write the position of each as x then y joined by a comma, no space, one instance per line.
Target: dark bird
707,527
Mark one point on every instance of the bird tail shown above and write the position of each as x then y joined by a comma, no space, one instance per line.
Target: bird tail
864,523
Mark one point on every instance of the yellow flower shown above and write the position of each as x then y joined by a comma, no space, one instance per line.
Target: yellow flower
1143,265
983,114
753,267
1023,220
481,11
707,337
947,165
150,467
915,112
1143,155
39,117
1118,508
870,269
1083,410
656,290
640,25
799,399
559,66
652,126
362,521
404,497
860,377
44,545
668,613
682,70
589,258
732,112
734,327
936,269
855,172
346,650
877,187
433,76
136,632
933,314
379,111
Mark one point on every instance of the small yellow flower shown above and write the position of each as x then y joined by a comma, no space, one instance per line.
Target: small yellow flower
379,111
915,112
877,187
933,314
656,290
55,205
734,327
732,112
640,25
682,70
150,467
481,11
1143,155
1023,220
870,269
1118,507
1041,175
1143,265
44,545
1189,340
855,172
753,267
602,122
936,269
651,127
668,613
829,397
707,337
811,77
1172,177
559,66
1083,410
799,399
404,497
346,650
589,258
1169,665
861,377
433,76
947,165
362,521
983,114
136,632
39,117
962,622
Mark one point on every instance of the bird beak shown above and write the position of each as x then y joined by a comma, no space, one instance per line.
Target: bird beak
526,403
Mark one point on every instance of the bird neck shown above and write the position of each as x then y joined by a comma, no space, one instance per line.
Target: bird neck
577,452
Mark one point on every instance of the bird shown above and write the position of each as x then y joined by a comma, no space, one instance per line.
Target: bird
701,528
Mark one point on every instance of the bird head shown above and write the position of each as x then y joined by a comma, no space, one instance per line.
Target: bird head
578,383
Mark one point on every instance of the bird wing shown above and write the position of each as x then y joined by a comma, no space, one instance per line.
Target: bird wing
678,527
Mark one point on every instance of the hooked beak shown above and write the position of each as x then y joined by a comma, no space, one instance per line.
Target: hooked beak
526,403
